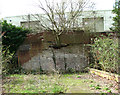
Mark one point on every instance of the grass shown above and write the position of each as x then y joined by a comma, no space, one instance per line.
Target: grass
66,83
33,84
40,83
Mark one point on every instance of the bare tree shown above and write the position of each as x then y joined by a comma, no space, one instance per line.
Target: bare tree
60,17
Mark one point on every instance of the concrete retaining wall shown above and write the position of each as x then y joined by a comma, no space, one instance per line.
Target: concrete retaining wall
35,52
66,58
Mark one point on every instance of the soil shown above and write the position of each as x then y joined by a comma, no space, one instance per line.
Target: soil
102,82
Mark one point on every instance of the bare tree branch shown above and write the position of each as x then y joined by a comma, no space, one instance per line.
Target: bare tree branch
60,17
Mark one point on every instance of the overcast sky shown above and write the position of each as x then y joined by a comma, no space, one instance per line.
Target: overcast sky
20,7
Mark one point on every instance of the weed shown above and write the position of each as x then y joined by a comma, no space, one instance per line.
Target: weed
31,81
109,91
106,88
116,88
57,89
86,80
111,85
67,75
91,81
17,82
97,87
78,76
91,85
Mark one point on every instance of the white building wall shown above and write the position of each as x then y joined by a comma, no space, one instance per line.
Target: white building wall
106,14
108,20
15,20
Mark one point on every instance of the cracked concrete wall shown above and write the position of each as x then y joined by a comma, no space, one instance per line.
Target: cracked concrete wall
74,56
35,53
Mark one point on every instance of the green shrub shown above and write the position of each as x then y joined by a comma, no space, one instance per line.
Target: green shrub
105,53
11,40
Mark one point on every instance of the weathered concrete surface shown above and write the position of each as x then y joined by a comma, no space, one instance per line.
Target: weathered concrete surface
73,56
35,52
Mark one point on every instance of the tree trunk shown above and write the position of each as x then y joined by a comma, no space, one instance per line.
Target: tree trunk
58,42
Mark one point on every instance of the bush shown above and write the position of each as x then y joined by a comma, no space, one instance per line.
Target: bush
105,53
11,40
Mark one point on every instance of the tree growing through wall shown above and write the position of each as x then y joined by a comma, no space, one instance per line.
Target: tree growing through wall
61,17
